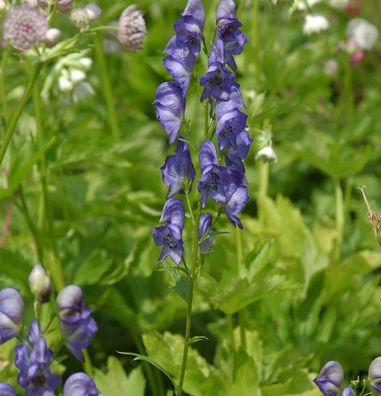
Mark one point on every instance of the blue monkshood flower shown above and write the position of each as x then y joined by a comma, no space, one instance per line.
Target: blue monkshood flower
7,390
206,245
170,235
375,376
222,184
348,391
11,313
177,169
218,82
170,105
33,360
228,31
80,384
330,379
184,48
77,325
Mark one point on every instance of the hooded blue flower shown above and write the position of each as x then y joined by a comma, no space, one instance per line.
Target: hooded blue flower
330,379
184,48
7,390
206,245
80,384
228,31
375,375
33,361
222,184
77,325
170,235
170,105
11,313
348,391
218,82
177,169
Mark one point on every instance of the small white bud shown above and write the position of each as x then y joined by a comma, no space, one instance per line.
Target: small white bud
65,84
77,75
93,11
40,284
266,154
52,35
315,24
86,62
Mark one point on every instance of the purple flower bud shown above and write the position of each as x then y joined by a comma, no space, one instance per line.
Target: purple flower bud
64,5
40,284
330,379
177,169
93,11
204,225
131,28
170,105
11,313
170,235
77,325
25,27
348,391
33,360
7,390
375,376
80,384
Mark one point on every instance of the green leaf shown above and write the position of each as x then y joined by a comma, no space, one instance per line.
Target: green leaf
115,382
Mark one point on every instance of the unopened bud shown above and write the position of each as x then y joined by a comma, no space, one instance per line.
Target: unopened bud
79,18
86,62
266,154
64,5
77,75
93,11
52,35
40,284
330,378
348,391
11,313
131,28
375,376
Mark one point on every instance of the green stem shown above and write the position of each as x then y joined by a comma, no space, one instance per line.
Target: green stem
11,127
241,313
87,365
3,86
254,21
263,169
192,280
190,207
106,85
339,217
206,120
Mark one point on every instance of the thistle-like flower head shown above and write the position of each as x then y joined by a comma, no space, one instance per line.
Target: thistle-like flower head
25,27
131,28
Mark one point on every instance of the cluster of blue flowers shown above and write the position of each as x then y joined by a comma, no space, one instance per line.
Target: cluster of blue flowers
331,377
33,357
225,184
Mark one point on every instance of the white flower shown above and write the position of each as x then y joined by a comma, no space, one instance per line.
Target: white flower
52,35
77,75
315,24
86,62
330,67
266,154
362,33
304,4
338,3
65,84
40,283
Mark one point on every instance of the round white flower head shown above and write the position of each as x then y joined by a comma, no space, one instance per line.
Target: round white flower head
25,27
315,24
131,28
52,35
362,33
79,18
266,154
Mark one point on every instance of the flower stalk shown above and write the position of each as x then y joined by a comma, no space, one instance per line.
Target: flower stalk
11,127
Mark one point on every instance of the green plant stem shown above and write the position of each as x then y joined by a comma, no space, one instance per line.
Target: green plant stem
254,21
32,228
3,91
241,313
231,330
192,281
11,127
339,217
53,262
263,170
106,85
87,365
